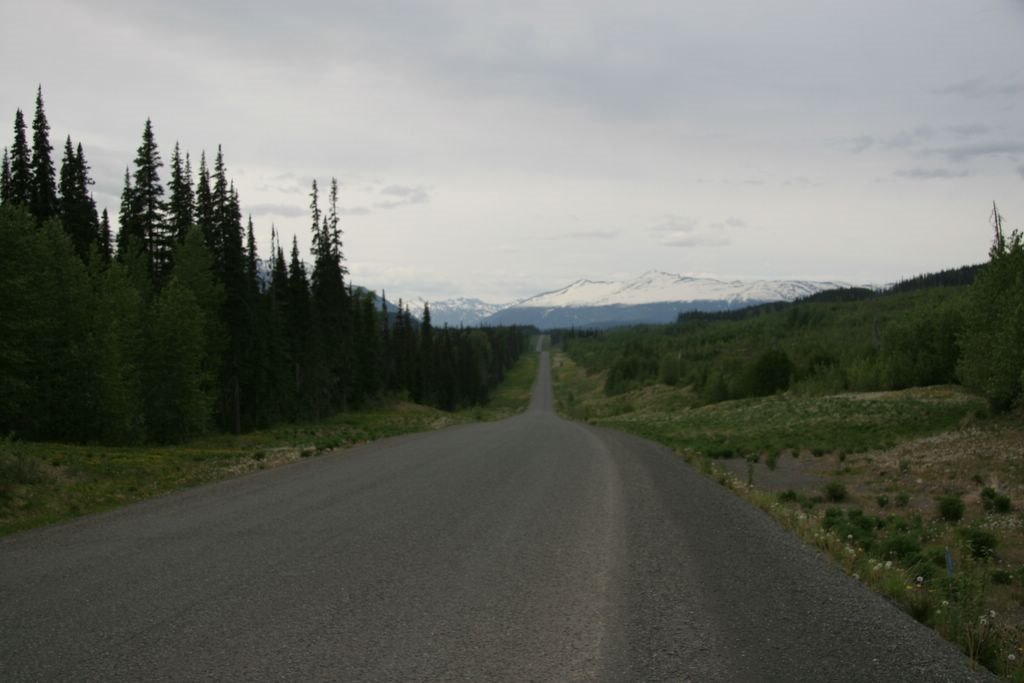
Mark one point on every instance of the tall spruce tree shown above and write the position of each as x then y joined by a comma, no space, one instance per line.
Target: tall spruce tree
147,207
19,191
331,303
77,208
298,317
125,238
181,204
106,238
5,178
43,200
204,205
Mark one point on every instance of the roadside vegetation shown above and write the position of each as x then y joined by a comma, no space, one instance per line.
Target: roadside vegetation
886,429
42,483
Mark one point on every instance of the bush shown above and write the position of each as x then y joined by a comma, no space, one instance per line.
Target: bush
901,547
993,501
770,374
788,496
902,499
835,491
882,501
951,508
982,543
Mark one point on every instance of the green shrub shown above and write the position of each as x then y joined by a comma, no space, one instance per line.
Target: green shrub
993,501
981,542
770,374
902,499
951,508
835,491
882,501
901,547
789,496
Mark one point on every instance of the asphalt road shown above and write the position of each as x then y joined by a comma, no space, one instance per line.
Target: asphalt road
532,549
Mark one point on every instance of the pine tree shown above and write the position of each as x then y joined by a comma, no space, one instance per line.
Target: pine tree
43,199
177,405
204,217
147,207
331,302
298,318
423,390
181,205
992,340
125,235
5,179
119,336
19,191
106,239
252,262
77,208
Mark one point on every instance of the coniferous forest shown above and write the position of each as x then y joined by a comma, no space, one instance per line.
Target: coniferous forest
175,325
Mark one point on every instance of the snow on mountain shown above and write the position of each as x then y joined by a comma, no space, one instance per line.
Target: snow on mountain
654,297
456,312
658,287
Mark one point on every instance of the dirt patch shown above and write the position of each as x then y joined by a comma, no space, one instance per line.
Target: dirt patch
789,473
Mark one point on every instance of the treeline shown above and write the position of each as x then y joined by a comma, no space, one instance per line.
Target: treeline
929,330
176,325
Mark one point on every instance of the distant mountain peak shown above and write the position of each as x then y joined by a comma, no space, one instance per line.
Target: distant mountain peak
653,297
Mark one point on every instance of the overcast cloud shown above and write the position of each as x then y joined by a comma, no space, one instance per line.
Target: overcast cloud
502,149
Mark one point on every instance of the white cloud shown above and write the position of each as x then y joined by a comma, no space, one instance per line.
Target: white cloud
626,116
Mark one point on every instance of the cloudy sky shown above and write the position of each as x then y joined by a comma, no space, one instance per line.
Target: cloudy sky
500,149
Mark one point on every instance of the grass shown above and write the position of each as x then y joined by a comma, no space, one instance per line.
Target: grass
883,482
846,423
43,483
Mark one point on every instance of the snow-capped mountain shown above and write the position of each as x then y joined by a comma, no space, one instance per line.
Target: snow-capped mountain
658,287
654,297
457,312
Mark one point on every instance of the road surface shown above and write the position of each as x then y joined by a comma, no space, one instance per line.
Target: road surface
532,549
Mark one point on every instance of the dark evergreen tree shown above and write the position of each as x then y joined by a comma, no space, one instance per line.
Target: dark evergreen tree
5,179
119,347
124,218
204,217
146,207
43,200
77,208
106,239
176,402
299,323
992,340
19,190
278,387
332,308
423,388
252,263
181,204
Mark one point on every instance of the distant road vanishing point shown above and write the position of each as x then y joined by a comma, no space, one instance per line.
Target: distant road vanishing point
531,549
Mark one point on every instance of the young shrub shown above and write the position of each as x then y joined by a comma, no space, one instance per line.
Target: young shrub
882,501
993,501
902,499
788,496
835,491
951,508
981,542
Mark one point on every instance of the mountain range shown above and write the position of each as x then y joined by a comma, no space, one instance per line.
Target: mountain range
654,297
